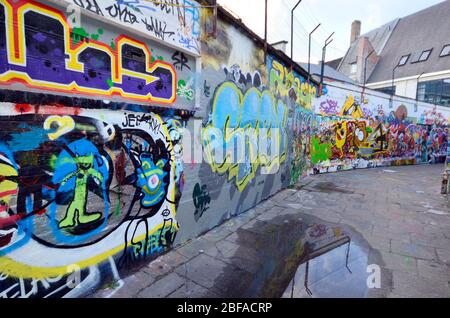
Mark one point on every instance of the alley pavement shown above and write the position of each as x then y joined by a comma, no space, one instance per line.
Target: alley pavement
381,232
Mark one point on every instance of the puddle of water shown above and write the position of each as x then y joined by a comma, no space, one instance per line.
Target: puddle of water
328,187
297,250
332,274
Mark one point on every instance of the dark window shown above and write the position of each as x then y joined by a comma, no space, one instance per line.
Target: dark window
403,60
445,50
387,90
434,92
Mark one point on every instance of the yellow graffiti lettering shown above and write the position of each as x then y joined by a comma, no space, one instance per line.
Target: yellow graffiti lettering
17,56
65,124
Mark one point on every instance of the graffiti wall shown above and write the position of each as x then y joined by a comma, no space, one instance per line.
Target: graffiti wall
91,171
42,48
353,129
176,23
82,186
248,106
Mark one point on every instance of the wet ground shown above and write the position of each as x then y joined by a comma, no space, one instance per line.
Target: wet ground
370,233
298,255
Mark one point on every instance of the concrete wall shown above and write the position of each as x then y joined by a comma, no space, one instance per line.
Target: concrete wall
101,126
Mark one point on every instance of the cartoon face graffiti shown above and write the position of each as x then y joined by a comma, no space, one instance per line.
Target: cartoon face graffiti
76,213
150,179
85,162
360,134
80,169
77,196
341,134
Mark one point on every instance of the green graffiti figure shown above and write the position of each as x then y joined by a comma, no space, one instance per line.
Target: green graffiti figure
76,212
320,151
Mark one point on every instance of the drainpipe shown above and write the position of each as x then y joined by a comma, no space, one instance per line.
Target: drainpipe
365,74
416,107
393,89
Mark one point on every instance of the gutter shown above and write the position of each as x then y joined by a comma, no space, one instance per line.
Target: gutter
412,77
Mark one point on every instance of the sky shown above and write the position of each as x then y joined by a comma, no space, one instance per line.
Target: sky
335,16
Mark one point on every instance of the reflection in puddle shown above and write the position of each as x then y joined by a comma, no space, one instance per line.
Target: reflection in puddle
333,266
299,256
336,270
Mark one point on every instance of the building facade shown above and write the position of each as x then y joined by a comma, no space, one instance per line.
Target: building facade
408,57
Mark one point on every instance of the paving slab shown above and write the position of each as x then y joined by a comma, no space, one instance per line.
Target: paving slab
163,287
203,270
413,250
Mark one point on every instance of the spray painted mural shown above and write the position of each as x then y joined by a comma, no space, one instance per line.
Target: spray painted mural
286,83
248,125
81,187
45,51
242,123
299,94
303,147
248,103
94,188
175,22
350,132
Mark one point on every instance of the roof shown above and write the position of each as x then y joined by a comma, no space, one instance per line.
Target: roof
378,38
329,72
334,63
426,29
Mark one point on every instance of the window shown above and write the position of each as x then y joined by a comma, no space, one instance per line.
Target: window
445,50
435,92
353,68
387,90
423,56
403,60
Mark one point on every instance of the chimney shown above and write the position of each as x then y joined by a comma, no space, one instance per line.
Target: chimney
363,49
282,45
356,31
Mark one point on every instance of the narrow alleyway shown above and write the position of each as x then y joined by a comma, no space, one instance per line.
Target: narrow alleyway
317,240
